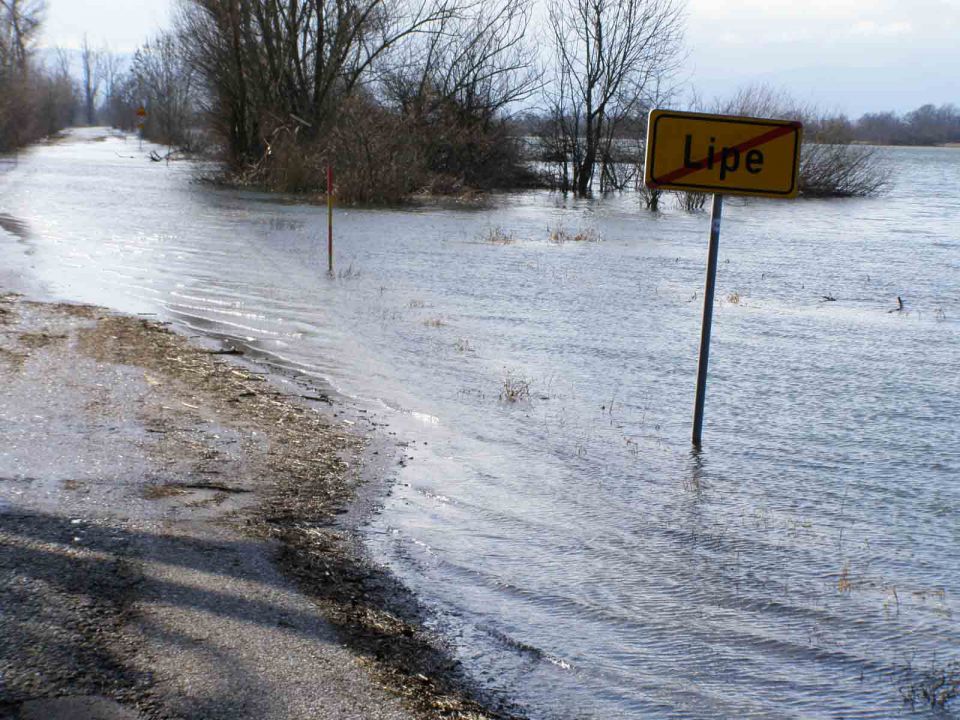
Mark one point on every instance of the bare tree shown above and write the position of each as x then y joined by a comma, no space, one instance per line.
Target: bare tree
661,95
556,145
126,96
931,125
165,82
276,69
608,55
34,101
56,95
91,75
110,69
477,59
455,81
19,23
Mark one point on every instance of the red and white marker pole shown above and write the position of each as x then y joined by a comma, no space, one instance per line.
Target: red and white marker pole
330,219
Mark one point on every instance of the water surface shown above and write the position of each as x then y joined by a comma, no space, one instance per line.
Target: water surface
578,556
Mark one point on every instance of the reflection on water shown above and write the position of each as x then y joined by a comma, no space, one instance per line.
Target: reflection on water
576,553
15,227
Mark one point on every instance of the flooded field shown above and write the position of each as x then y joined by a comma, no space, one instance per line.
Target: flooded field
806,564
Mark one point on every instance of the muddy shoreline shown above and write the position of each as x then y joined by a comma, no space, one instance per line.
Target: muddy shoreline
314,484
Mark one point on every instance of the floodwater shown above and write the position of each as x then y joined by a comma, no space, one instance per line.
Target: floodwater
580,559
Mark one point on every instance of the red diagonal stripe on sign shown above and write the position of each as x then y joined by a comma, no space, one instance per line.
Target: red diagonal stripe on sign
766,137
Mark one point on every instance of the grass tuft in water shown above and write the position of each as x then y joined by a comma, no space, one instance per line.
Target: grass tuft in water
515,388
348,272
498,236
559,235
844,582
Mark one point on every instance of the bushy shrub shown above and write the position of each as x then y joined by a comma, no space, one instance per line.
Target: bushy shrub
831,165
841,169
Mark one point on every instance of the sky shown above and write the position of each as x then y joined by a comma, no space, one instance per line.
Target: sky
849,56
122,24
852,56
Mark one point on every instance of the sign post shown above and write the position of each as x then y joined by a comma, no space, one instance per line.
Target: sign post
141,122
725,155
708,291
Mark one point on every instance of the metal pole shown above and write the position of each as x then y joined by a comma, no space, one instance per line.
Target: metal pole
708,291
330,219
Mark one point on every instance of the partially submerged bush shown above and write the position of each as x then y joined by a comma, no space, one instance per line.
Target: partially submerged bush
841,170
400,99
376,158
380,156
649,196
830,165
690,200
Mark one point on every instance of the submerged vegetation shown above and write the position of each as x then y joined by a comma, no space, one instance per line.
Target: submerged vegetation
691,201
559,235
934,687
498,236
515,388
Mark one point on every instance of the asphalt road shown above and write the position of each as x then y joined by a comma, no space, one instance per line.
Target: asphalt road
128,587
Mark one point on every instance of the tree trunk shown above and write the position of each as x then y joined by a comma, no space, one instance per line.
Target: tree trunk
587,165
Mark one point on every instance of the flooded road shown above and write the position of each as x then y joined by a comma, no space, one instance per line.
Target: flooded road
548,508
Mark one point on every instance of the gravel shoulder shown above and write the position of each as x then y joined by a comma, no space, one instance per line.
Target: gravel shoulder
172,542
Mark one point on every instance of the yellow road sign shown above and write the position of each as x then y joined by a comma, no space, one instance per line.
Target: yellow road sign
722,154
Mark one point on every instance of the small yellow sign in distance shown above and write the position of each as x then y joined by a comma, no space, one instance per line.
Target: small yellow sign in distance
723,154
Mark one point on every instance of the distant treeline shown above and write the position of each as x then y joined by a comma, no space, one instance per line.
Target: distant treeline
927,125
34,101
416,96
